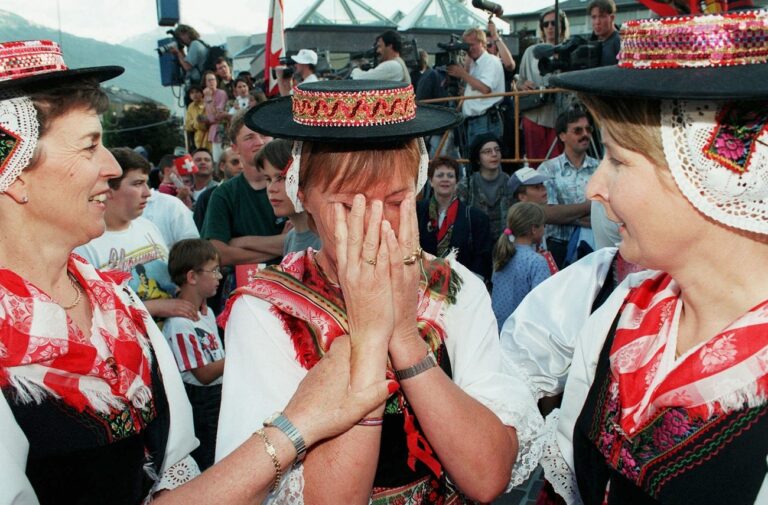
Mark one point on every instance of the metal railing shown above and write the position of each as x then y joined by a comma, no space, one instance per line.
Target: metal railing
516,100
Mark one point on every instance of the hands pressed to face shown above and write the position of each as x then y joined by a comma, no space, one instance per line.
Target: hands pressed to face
377,276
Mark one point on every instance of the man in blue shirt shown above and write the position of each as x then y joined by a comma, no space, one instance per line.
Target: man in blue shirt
568,208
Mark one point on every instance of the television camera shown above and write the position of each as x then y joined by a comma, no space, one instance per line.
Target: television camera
452,53
576,53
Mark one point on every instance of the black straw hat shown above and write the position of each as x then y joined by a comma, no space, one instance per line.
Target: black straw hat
32,62
705,57
350,111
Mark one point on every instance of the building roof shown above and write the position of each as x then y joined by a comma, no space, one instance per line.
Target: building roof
342,12
121,96
441,15
250,51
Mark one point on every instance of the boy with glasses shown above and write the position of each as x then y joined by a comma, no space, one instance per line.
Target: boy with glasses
194,266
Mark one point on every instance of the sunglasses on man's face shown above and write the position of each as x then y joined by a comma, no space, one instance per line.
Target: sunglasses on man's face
547,24
578,130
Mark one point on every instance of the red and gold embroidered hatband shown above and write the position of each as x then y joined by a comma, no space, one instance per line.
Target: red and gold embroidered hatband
24,63
737,38
29,57
353,108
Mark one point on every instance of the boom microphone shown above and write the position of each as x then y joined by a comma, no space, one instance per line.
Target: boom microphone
491,7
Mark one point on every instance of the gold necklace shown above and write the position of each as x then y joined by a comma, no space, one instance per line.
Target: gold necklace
78,295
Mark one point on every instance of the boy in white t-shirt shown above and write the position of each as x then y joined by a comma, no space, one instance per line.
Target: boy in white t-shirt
194,266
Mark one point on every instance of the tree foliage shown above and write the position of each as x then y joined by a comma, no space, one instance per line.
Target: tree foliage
145,125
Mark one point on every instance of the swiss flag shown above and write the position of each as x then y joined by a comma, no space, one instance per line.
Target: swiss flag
184,165
275,46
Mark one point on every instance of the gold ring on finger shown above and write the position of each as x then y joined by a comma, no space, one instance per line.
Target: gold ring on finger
371,262
410,260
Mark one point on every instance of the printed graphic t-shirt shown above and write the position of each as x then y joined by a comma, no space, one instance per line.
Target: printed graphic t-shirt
139,250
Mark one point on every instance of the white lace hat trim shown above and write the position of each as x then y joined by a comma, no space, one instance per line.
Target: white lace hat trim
737,198
292,175
19,133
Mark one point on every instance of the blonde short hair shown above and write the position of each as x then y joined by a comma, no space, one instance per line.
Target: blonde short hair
477,32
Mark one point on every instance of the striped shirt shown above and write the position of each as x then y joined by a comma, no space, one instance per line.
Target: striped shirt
194,344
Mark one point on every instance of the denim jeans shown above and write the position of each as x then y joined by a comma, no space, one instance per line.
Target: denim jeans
487,123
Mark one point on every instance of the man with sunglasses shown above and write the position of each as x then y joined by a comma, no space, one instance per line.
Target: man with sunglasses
568,208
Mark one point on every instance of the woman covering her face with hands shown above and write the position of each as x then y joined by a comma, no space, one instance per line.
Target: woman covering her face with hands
460,427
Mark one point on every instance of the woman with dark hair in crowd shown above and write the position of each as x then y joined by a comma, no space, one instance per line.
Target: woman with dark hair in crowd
459,429
667,383
538,123
92,407
487,187
446,224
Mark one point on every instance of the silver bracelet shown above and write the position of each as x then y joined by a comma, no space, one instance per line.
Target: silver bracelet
425,364
282,423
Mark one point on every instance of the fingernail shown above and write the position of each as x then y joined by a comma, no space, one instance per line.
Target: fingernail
393,387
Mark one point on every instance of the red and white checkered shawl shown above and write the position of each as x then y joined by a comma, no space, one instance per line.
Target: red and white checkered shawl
44,354
723,374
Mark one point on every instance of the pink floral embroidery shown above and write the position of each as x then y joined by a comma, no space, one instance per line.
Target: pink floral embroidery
729,146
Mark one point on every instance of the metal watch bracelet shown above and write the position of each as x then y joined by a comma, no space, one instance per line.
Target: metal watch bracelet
425,364
279,421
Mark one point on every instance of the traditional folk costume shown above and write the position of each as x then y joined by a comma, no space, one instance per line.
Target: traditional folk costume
99,418
639,424
85,418
282,323
296,312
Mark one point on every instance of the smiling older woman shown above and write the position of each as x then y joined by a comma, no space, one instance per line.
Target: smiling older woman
462,428
666,399
92,407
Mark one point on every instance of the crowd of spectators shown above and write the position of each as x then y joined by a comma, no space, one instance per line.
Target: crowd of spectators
193,237
512,229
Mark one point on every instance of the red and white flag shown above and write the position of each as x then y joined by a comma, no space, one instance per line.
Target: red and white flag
275,46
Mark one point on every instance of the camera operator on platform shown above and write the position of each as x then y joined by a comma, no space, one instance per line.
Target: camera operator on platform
195,56
391,66
482,76
538,123
603,16
305,61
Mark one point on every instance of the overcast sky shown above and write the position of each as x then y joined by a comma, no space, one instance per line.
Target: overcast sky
116,20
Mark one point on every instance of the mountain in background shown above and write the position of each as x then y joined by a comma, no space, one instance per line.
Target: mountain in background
142,70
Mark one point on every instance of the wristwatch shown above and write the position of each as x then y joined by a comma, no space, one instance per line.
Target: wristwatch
279,421
425,364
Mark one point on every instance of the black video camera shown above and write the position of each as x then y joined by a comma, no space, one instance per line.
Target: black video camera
287,62
174,44
371,55
576,53
451,52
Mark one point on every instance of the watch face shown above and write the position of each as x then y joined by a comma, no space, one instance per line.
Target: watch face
271,419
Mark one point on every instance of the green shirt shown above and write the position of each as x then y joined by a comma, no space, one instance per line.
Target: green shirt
237,210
